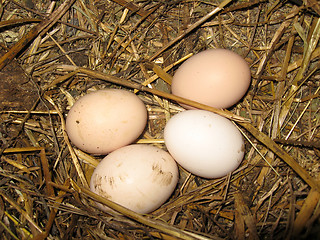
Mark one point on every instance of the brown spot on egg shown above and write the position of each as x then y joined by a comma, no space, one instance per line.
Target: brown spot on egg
164,159
157,168
139,206
243,148
160,176
97,182
122,178
111,182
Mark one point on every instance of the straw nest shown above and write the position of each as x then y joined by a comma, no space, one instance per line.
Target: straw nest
55,52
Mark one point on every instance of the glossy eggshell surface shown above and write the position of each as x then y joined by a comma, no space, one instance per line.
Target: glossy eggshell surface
139,177
204,143
105,120
215,77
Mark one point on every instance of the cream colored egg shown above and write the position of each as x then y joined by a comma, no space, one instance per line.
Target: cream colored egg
204,143
140,177
105,120
215,77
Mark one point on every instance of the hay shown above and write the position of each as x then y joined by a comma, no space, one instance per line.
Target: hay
53,53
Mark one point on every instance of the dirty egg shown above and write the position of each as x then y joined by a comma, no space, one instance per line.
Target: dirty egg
215,77
140,177
204,143
105,120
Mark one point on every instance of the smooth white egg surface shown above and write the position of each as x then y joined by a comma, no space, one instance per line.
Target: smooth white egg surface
105,120
140,177
204,143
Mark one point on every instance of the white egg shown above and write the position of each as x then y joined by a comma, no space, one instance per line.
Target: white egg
140,177
204,143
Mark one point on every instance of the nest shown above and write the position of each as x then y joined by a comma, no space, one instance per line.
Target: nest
55,52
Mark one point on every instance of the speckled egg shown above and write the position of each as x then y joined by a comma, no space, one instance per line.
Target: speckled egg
105,120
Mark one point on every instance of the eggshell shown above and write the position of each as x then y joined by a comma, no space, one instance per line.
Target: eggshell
215,77
140,177
204,143
105,120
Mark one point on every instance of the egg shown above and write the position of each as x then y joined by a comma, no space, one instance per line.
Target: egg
105,120
216,77
204,143
140,177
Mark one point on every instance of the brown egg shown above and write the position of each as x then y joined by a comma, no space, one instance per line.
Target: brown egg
105,120
215,77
